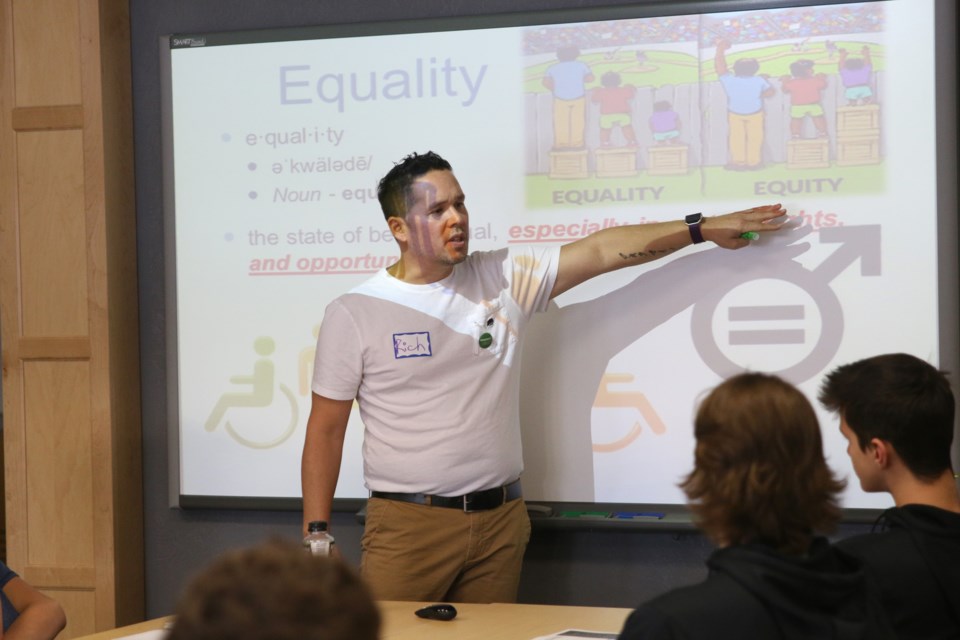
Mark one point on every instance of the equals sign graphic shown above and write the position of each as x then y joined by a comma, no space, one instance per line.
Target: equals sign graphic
772,313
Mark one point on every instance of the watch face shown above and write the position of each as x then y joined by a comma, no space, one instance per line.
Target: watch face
693,218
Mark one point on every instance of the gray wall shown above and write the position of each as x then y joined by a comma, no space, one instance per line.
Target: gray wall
587,567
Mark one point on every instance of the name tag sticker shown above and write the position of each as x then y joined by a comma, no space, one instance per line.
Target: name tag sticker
412,345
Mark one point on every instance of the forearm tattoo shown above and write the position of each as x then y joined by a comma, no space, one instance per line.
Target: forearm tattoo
653,253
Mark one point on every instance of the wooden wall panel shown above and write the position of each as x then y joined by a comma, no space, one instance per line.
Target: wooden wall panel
59,465
68,304
80,605
53,272
47,52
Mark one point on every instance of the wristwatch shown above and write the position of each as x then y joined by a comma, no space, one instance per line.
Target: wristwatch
693,224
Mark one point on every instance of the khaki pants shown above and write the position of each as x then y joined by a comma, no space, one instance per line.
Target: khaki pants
420,553
745,138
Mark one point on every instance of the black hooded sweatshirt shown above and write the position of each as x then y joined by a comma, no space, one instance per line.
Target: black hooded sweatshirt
915,561
755,592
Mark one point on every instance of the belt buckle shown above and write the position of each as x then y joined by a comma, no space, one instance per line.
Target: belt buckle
467,499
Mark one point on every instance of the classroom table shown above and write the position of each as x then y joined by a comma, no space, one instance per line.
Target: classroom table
473,622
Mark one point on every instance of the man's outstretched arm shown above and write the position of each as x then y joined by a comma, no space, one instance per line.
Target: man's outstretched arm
618,247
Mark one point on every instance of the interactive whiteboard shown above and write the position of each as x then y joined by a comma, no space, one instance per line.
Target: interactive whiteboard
276,141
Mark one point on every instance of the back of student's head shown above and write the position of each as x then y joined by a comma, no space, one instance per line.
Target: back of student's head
759,472
276,591
898,398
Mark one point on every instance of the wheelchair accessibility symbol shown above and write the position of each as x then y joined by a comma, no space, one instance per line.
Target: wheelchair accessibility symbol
258,432
611,399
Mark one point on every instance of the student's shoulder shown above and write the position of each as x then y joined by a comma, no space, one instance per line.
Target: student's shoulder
698,611
890,535
879,543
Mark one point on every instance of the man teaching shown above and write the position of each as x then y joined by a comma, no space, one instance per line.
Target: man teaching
429,347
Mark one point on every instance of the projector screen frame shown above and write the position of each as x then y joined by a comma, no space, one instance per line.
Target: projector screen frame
948,241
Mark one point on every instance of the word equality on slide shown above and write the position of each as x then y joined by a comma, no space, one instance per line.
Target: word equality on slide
426,79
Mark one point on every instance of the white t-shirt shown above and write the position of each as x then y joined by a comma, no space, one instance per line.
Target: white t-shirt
435,370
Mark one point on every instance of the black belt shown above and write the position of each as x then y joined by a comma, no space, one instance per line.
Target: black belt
476,501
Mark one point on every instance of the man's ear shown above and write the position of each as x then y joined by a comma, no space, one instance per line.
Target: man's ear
398,227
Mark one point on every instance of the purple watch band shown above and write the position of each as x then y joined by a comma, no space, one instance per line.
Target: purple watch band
693,224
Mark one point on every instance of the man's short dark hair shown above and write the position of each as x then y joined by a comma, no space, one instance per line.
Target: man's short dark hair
276,591
393,192
900,399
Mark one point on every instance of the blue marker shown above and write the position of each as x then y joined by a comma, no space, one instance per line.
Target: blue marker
639,515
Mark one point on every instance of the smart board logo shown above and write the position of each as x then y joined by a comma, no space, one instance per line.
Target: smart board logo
189,42
412,345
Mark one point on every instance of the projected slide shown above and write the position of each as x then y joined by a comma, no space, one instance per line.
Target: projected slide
557,131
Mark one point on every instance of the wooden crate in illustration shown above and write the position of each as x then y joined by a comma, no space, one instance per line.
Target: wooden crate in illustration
808,153
568,164
856,150
861,120
667,160
616,163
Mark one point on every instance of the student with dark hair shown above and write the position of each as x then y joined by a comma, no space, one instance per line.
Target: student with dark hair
276,591
761,489
430,349
897,414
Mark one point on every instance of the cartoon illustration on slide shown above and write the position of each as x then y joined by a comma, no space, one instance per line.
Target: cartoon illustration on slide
665,123
745,92
764,96
567,80
614,99
805,89
261,392
855,75
634,64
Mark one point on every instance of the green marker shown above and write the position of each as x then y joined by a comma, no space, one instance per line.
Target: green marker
586,514
750,235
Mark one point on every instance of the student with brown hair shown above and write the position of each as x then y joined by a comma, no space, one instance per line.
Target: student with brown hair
897,413
276,591
761,489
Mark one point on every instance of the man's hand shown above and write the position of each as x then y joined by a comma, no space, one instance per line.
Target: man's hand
726,231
